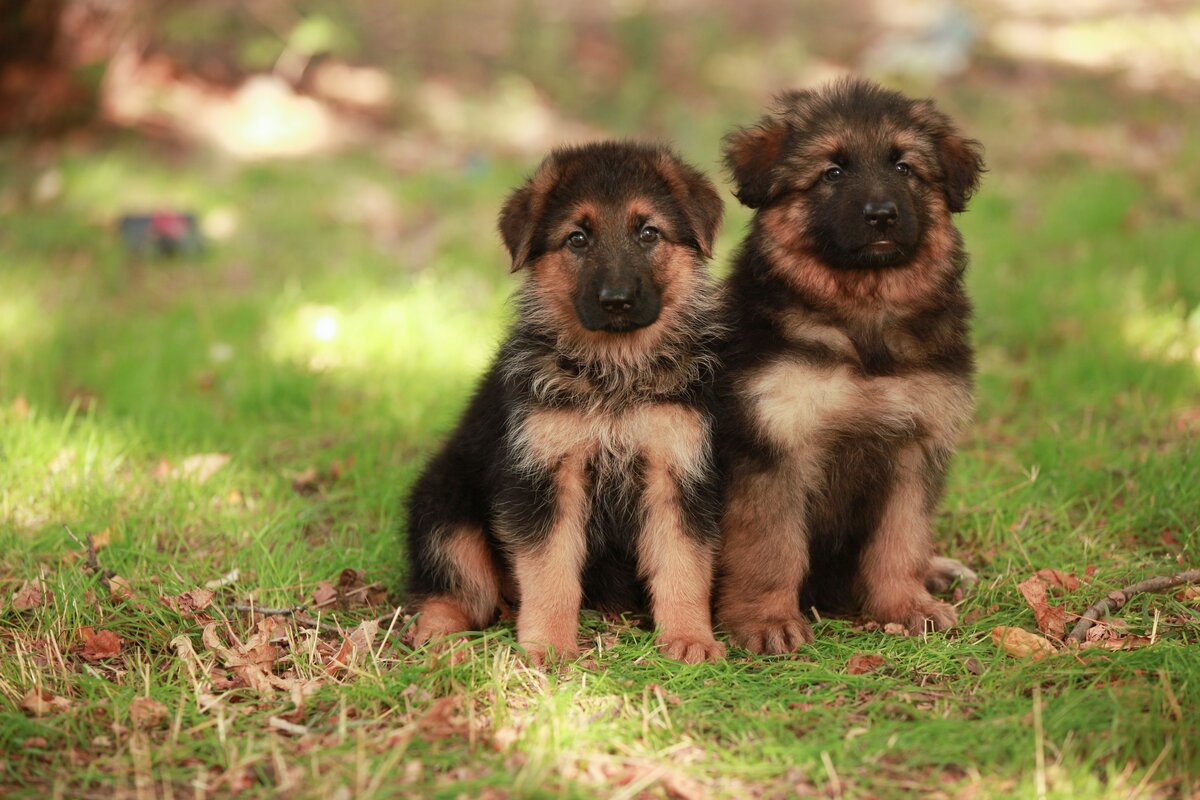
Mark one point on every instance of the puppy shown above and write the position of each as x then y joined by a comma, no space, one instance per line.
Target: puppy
581,472
849,371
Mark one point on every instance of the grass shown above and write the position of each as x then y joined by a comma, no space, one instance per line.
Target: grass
339,324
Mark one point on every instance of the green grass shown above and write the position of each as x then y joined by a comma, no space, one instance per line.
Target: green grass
113,372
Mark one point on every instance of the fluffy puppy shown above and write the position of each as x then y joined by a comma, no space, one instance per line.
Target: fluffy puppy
849,371
581,471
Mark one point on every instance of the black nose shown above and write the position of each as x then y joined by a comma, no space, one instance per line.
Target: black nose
616,298
880,215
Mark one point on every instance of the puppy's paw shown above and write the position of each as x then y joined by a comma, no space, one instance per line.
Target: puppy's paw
542,655
437,618
691,648
920,615
945,573
772,635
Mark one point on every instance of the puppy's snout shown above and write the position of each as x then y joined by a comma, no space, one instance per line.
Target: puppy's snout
615,299
881,215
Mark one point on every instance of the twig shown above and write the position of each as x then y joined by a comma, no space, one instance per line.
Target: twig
92,563
1117,599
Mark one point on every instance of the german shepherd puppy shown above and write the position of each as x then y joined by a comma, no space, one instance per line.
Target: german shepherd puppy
849,371
581,472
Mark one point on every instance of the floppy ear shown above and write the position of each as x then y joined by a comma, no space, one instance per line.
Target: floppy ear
962,166
751,155
698,198
960,158
522,212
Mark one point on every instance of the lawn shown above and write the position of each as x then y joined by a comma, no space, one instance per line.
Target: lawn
248,419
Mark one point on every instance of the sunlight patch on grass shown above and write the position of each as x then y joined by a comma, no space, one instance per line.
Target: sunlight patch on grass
432,326
1161,334
23,320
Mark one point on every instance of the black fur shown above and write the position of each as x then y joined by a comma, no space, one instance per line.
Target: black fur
553,361
811,259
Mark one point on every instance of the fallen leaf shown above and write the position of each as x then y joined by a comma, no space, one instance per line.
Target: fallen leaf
354,647
34,743
119,588
41,702
895,628
146,712
32,594
190,602
862,663
201,467
1051,620
19,407
1189,594
442,720
102,539
681,787
98,645
226,579
1021,643
324,594
1063,580
306,482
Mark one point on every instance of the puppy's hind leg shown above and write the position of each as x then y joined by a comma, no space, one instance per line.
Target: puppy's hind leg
944,573
462,571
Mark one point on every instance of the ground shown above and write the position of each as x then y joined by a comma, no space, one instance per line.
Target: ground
248,418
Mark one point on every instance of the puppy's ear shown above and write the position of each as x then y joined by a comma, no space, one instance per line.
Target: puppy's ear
960,158
522,212
962,164
698,198
751,156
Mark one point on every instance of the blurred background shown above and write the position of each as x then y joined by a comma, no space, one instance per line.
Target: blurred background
267,226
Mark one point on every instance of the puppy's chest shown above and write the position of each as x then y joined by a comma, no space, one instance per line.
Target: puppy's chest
864,382
660,436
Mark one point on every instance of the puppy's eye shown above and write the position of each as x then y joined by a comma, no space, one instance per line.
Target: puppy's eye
903,168
577,239
834,174
649,234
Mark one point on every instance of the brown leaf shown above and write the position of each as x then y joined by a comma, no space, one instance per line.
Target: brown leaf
355,647
307,482
1021,643
862,663
1066,581
1189,594
32,594
102,539
42,702
190,602
19,407
201,466
146,712
98,645
324,594
254,660
1051,620
681,787
119,588
442,720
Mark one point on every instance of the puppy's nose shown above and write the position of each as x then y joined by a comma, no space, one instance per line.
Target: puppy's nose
880,215
616,298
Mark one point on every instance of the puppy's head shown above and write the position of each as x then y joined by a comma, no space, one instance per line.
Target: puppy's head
613,236
865,178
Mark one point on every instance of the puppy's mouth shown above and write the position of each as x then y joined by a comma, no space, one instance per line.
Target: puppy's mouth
883,246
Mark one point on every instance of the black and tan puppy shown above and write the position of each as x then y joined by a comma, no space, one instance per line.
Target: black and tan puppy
581,472
849,370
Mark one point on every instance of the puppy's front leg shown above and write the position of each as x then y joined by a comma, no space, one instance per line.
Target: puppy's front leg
548,572
678,566
896,558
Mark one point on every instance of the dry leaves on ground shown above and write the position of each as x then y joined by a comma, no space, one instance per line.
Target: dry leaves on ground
862,663
1021,643
40,702
1051,620
98,645
32,594
350,591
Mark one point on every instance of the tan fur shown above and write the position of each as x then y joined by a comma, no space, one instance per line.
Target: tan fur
765,547
855,292
673,435
896,560
476,595
548,576
677,569
438,616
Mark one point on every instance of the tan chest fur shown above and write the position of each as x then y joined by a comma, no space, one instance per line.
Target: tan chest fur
798,405
667,435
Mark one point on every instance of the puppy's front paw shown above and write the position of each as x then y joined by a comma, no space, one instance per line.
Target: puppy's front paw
920,613
772,635
691,649
543,655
